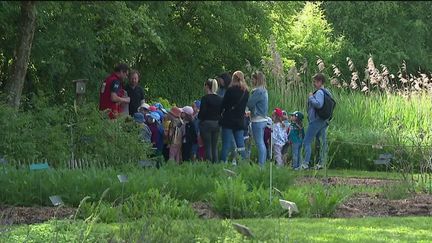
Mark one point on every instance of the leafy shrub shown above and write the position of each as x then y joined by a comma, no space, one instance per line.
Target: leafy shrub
317,200
44,133
396,191
149,204
232,196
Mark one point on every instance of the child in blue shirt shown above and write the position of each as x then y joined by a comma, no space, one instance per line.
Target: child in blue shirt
295,136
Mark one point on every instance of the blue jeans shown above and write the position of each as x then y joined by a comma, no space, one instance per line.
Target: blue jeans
316,129
258,134
296,154
227,138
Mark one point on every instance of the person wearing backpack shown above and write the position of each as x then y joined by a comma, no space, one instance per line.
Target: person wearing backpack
320,111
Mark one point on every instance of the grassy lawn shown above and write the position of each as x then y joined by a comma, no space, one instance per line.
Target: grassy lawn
394,229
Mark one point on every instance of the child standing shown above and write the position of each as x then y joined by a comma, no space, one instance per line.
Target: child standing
247,134
189,134
175,135
145,130
295,136
267,136
152,123
279,135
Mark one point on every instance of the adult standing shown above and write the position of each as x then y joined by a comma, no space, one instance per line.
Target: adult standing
224,81
258,106
233,114
209,116
112,93
135,92
317,127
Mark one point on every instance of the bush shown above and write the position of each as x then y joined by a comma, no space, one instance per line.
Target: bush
317,200
232,197
141,205
44,134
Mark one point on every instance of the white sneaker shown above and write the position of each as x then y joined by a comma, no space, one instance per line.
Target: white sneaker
318,167
234,162
304,167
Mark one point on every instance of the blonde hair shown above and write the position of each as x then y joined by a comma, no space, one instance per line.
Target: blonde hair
260,80
238,80
212,84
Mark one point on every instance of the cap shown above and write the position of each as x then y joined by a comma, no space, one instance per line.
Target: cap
297,114
155,116
188,110
152,108
197,103
145,106
139,117
278,112
175,111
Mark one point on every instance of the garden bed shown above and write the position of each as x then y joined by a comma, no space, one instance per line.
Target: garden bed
32,215
351,181
363,205
359,205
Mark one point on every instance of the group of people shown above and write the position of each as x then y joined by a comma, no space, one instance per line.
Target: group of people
230,109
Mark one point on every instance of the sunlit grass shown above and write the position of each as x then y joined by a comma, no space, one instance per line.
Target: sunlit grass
390,229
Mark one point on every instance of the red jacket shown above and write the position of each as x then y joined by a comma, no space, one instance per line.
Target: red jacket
105,102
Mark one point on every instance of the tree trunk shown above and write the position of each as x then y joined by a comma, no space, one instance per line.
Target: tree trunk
21,59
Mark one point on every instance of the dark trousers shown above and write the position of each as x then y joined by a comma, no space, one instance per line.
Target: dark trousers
209,131
187,152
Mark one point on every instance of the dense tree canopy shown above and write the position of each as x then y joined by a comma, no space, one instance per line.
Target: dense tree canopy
177,45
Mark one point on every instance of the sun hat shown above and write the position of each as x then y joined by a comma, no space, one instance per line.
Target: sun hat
175,111
161,114
152,108
159,106
139,117
145,106
297,114
278,112
188,110
154,115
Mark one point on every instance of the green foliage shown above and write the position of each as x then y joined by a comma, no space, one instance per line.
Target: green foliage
390,31
46,134
303,33
317,200
194,182
234,196
141,205
396,191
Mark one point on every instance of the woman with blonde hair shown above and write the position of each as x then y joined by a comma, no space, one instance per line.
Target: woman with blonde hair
233,115
258,106
209,115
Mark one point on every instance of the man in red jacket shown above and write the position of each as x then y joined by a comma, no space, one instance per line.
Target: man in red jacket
112,92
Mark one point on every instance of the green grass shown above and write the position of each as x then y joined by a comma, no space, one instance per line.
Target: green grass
393,229
361,121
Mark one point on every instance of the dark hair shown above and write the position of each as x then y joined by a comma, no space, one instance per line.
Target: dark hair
132,72
122,67
319,77
227,78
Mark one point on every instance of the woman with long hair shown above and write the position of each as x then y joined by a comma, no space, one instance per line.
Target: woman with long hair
209,116
233,115
258,106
